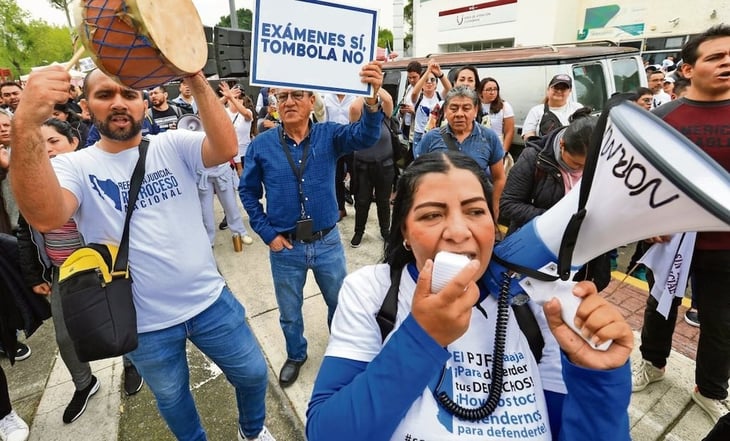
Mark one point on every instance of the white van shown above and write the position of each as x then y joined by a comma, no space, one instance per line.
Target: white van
523,73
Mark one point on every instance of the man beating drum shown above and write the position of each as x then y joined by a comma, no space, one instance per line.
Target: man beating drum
178,292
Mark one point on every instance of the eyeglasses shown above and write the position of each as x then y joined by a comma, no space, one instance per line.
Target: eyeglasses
296,95
432,80
490,89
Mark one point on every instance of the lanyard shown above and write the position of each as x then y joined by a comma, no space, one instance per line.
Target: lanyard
298,171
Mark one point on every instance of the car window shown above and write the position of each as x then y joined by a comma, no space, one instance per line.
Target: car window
589,85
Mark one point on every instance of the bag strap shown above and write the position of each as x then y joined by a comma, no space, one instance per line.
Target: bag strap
135,183
447,139
389,310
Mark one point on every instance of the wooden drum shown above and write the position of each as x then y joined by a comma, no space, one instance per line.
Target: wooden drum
143,43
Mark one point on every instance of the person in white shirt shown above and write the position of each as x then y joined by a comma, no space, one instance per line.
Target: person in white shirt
656,84
554,111
337,109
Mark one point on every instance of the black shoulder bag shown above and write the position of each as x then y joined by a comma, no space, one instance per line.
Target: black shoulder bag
96,290
548,122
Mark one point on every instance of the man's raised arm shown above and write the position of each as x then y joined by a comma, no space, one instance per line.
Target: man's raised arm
40,198
221,143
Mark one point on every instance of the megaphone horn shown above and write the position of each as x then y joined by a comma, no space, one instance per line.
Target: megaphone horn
190,122
647,180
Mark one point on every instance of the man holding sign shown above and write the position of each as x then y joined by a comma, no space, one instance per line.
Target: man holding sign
295,164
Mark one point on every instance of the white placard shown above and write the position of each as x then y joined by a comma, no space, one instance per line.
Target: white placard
312,45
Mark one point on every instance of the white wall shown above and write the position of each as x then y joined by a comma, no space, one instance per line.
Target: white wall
559,21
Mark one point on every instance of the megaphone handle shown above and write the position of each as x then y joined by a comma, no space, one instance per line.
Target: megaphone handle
542,291
568,309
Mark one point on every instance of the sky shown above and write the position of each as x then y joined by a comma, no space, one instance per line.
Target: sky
210,10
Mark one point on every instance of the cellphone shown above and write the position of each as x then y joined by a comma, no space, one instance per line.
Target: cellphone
304,229
402,105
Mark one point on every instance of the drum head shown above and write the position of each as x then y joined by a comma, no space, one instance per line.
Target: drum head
177,31
143,43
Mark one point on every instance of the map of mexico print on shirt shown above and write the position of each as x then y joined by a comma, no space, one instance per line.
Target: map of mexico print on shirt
156,188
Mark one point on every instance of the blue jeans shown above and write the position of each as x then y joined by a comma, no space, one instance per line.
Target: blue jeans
222,334
326,259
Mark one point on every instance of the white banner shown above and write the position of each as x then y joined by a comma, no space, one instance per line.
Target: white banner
670,263
312,45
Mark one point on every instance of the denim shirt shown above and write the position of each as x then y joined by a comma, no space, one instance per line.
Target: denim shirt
482,144
267,167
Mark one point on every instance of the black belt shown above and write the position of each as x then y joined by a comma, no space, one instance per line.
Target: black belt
317,235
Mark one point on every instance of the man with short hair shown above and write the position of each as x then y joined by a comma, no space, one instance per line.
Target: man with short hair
656,84
702,115
185,99
463,134
163,113
10,92
295,164
178,292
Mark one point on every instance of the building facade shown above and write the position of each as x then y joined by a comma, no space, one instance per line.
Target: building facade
657,27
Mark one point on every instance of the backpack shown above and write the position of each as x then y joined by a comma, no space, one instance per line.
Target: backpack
184,107
548,122
399,149
175,108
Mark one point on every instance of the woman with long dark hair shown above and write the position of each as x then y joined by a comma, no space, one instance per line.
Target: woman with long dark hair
497,114
429,375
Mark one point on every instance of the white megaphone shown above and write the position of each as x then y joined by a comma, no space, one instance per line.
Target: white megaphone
646,180
190,122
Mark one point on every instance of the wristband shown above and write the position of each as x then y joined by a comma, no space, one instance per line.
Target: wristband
375,106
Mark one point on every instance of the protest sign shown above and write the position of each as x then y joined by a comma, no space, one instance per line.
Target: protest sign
312,45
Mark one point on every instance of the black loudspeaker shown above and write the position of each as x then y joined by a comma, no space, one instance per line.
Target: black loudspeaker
224,52
232,68
231,37
211,67
232,51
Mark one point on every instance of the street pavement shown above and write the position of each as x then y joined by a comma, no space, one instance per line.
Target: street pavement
40,387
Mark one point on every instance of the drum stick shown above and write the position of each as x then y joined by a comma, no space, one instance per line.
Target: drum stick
75,58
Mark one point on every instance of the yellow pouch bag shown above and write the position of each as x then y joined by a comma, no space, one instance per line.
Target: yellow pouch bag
97,303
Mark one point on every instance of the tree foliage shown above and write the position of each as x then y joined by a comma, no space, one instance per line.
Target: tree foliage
408,14
385,38
26,43
243,16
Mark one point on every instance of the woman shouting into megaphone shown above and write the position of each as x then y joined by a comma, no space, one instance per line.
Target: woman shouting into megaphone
454,364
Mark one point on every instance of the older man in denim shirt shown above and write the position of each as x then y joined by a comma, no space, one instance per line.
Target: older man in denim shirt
295,163
463,134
